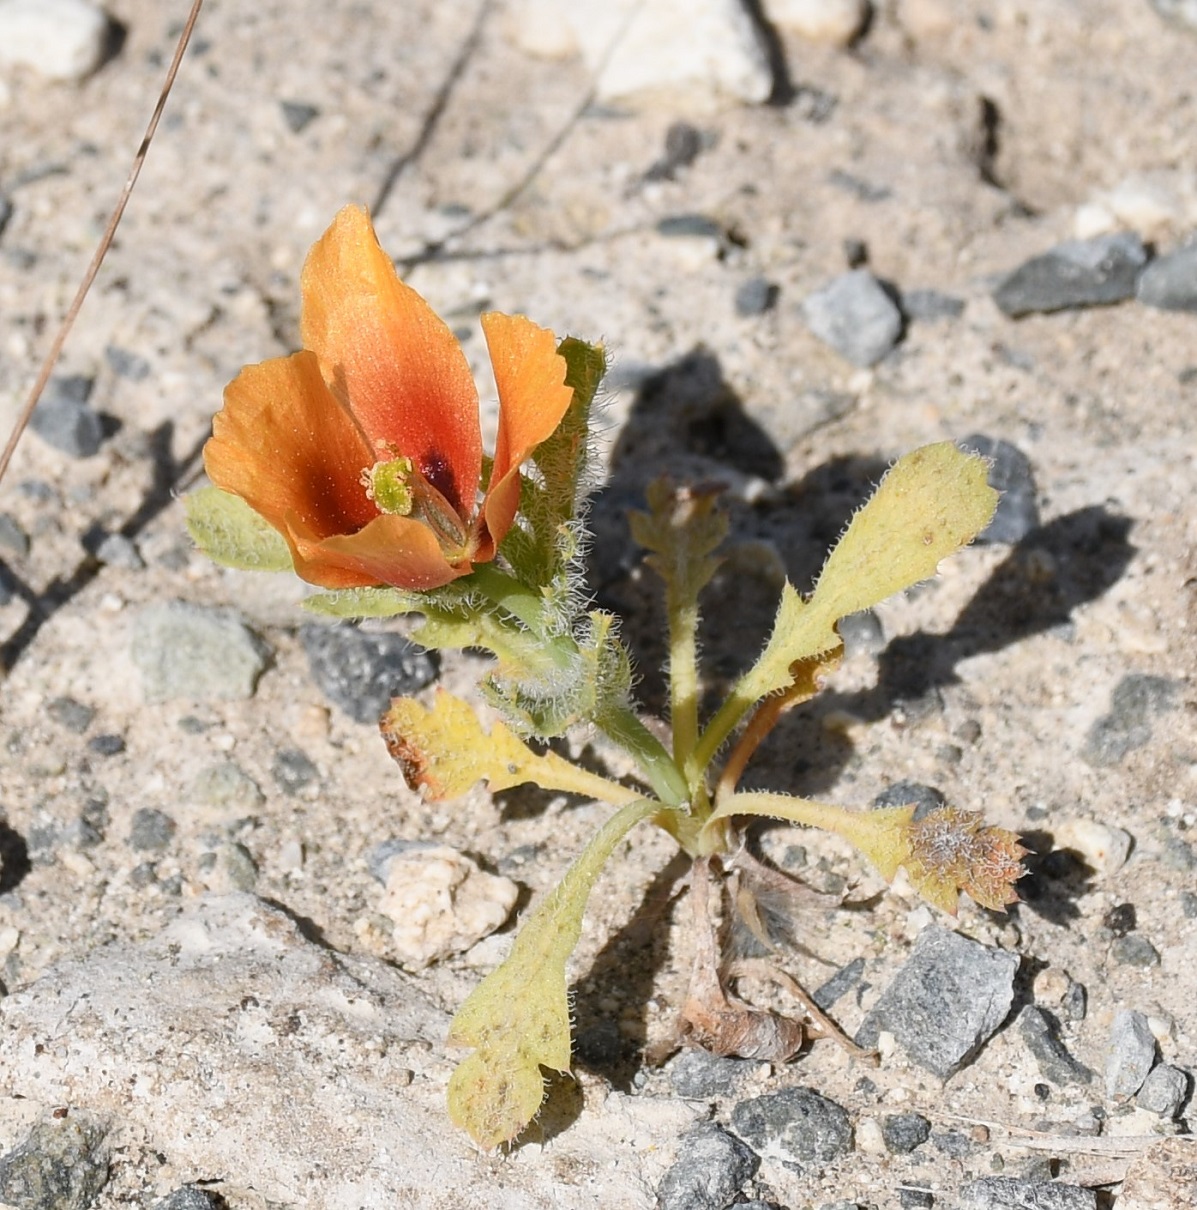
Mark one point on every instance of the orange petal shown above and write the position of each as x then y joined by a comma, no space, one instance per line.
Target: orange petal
533,397
398,551
389,358
288,449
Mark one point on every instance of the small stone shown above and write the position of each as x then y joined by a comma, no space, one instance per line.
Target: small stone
64,420
1038,1031
226,786
855,316
837,22
189,1197
69,713
5,204
197,653
152,830
1120,919
1164,1091
115,550
1188,904
441,903
12,537
106,745
1127,727
1018,1193
711,1168
927,306
1129,1056
683,143
1183,12
1102,847
902,793
796,1126
1077,273
699,1074
1135,950
61,1165
60,39
903,1132
128,365
945,1002
755,296
143,875
1170,282
292,770
233,870
862,633
361,670
1009,473
912,1197
298,115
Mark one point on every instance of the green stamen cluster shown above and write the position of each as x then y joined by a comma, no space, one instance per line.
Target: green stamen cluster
388,484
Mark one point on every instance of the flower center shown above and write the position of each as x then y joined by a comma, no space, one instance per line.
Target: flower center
389,484
399,488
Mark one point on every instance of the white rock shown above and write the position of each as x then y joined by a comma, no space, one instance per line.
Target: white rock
540,28
230,1046
441,903
833,21
706,48
1103,847
62,39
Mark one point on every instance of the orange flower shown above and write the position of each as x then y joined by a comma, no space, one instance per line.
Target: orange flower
364,449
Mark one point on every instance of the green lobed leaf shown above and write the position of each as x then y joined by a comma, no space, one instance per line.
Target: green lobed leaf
363,603
228,531
517,1018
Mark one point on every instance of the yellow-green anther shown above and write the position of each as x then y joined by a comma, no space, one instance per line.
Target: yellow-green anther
388,484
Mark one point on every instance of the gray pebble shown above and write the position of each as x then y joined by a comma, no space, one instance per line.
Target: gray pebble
1188,904
1170,283
1136,698
194,652
227,786
378,860
1077,273
930,305
953,1143
697,1073
189,1197
1055,1064
903,1132
1183,12
1135,950
1164,1091
796,1126
862,633
115,550
237,865
689,226
683,143
64,420
69,713
61,1165
128,365
1011,474
151,831
1129,1055
293,770
361,670
5,213
914,1197
107,744
842,982
143,875
945,1002
711,1168
12,537
855,316
298,115
755,296
903,793
1018,1193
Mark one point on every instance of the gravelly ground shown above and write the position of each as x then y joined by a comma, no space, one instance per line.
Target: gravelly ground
428,114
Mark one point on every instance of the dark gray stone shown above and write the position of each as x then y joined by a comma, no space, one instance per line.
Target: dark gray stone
1130,1054
855,315
1077,273
151,831
64,420
1164,1091
903,793
298,115
115,550
293,770
903,1132
128,365
69,713
108,744
945,1002
1009,473
796,1126
61,1165
193,652
12,537
1135,950
1055,1064
1170,283
361,670
1135,700
188,1197
755,296
1018,1193
926,306
914,1197
684,226
696,1073
683,143
711,1168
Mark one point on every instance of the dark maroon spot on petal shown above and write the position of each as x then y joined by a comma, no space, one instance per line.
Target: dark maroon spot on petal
439,473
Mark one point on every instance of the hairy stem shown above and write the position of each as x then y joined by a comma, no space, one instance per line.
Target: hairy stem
618,722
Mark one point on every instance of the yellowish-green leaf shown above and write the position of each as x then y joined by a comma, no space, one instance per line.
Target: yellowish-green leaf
517,1018
363,603
227,530
445,751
